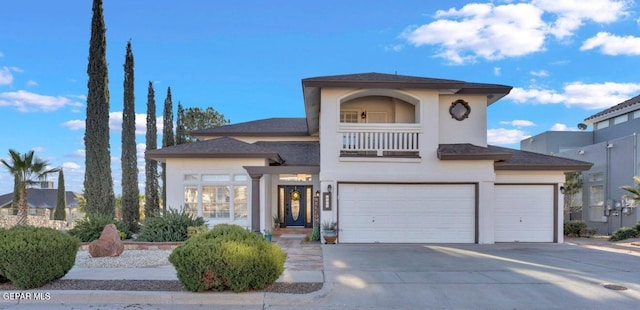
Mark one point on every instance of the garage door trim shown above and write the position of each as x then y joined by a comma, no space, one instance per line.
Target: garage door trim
555,202
476,198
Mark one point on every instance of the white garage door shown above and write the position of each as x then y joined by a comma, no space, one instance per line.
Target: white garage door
406,213
524,213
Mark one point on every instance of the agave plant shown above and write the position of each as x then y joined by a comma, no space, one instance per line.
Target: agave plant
633,192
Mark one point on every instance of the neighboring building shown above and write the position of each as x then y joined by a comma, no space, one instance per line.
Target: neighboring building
390,158
41,199
613,148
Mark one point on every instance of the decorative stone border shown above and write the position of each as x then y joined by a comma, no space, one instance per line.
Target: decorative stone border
136,245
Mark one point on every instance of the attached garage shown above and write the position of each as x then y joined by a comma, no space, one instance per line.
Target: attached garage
407,213
525,213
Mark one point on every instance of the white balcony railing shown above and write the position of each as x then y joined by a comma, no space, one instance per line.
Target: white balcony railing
379,139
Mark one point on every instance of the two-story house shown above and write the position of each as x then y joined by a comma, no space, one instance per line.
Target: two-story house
612,146
390,158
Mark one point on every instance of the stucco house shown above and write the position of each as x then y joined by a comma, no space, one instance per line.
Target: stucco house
612,146
390,158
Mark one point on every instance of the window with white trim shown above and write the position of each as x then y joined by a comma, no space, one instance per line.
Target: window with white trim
216,196
596,203
347,116
620,119
602,125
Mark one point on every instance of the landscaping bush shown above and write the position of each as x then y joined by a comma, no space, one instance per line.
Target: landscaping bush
90,227
228,257
573,228
34,256
624,233
194,230
171,225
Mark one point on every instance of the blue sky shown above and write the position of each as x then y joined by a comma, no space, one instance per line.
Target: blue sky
565,59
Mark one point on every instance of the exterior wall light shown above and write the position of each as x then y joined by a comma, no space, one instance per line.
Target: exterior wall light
329,188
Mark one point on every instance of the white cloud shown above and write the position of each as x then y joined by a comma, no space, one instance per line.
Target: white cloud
71,166
497,71
518,123
490,31
571,14
25,101
483,30
394,48
6,78
32,83
539,73
74,124
562,127
115,123
586,96
613,45
502,136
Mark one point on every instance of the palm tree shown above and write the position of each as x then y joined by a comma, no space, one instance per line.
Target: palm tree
26,171
634,192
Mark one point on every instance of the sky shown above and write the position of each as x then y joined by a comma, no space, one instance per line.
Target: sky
566,60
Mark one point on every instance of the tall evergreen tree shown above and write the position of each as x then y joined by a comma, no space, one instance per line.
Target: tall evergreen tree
130,192
181,131
168,139
151,199
61,203
98,182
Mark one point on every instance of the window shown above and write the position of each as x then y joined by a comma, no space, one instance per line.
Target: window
620,119
602,125
596,177
596,203
348,116
636,114
217,196
302,177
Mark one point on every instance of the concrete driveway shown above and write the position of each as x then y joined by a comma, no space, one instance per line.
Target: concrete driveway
501,276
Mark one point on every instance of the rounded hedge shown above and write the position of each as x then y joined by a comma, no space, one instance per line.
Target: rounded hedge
228,257
34,256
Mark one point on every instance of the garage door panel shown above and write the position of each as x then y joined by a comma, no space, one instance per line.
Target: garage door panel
406,213
524,213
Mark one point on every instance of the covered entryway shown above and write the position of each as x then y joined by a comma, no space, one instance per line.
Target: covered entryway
407,213
295,203
525,213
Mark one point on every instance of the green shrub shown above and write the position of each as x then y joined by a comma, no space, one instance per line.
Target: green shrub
624,233
227,257
194,230
573,228
170,225
34,256
90,227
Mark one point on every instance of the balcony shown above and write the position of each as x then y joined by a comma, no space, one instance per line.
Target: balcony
379,140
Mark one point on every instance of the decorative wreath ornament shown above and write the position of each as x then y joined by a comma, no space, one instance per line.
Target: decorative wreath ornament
295,195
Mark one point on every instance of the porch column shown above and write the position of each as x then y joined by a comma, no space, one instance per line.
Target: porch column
255,202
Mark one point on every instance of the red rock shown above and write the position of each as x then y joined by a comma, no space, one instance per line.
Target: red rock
109,243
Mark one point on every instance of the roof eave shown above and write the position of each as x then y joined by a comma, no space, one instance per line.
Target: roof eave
531,167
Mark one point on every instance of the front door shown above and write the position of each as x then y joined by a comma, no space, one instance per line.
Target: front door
295,201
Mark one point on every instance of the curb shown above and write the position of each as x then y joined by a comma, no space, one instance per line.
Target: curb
95,297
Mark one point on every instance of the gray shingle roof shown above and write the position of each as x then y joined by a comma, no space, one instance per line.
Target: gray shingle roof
303,153
627,103
41,198
261,128
510,159
224,147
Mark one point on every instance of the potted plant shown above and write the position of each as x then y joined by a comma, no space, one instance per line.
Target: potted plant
330,232
268,234
277,222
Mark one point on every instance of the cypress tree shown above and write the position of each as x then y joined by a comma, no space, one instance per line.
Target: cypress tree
181,131
98,182
151,199
130,192
61,203
167,140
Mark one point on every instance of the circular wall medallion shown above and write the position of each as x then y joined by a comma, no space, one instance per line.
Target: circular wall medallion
459,109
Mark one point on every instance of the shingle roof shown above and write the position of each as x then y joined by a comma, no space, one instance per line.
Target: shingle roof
510,159
374,79
41,198
289,153
224,147
303,153
627,103
262,127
